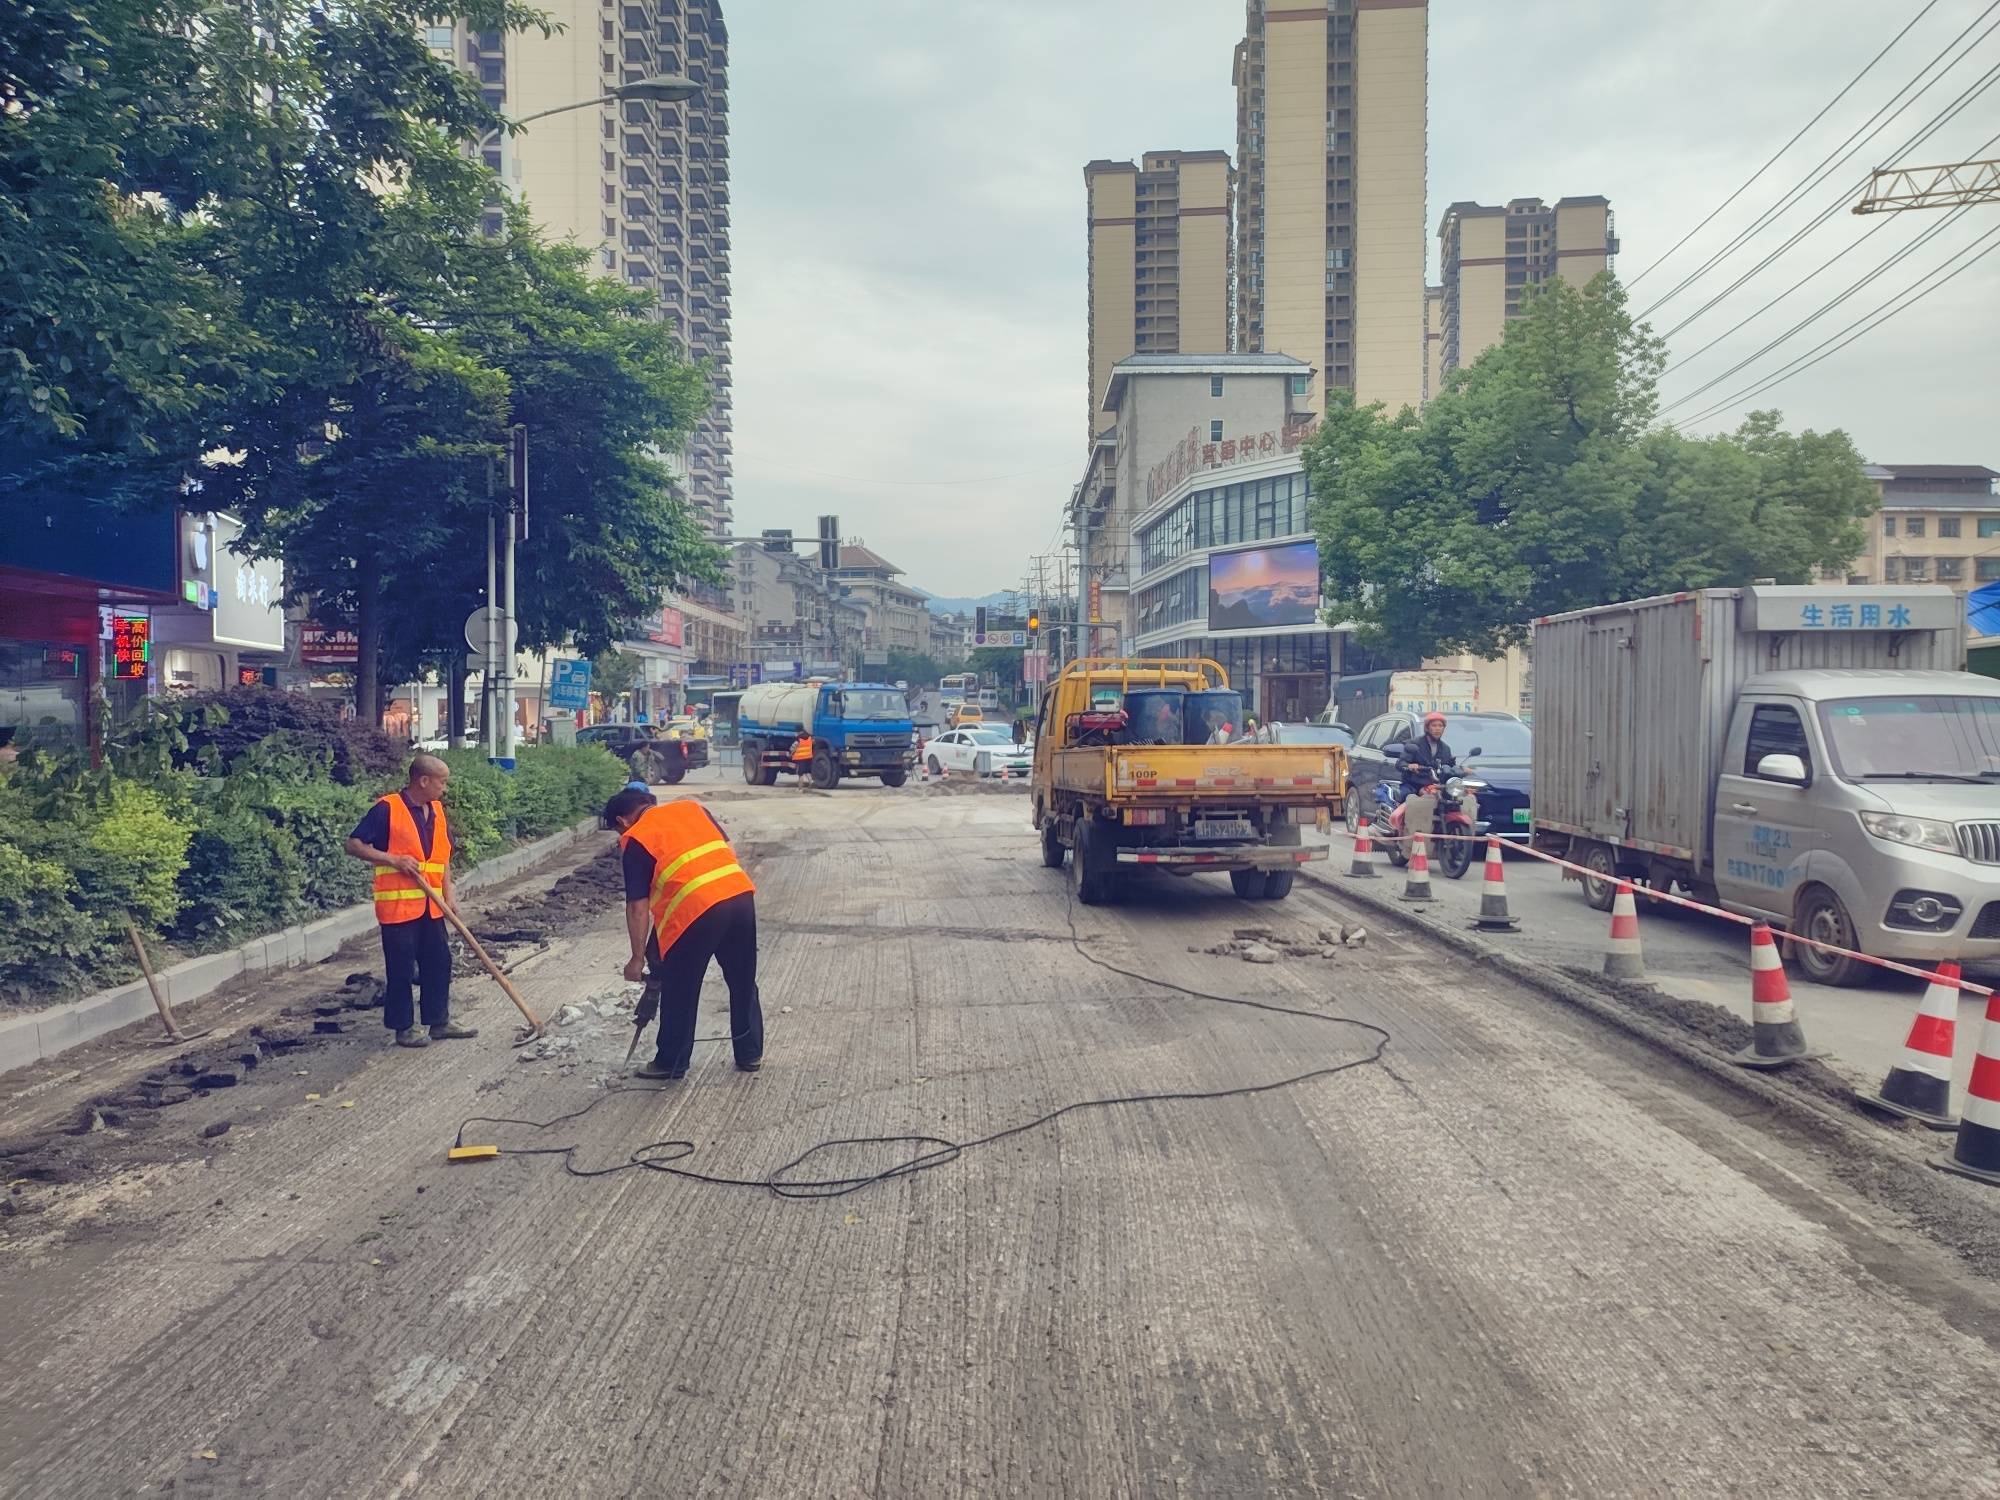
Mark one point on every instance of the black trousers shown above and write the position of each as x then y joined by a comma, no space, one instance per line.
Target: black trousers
726,932
416,953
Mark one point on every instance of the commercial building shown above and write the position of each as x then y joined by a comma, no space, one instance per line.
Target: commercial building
1331,101
1938,523
644,185
796,621
1159,268
1491,257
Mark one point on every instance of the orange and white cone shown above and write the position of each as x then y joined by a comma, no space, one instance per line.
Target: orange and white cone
1775,1035
1417,884
1493,913
1623,958
1977,1154
1363,867
1919,1085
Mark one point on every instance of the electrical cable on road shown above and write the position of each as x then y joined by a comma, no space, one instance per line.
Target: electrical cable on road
1833,161
1752,178
931,1151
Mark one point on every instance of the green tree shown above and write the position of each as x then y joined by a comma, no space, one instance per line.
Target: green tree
615,672
1535,484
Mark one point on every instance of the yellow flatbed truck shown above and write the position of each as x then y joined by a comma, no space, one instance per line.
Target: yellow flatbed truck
1124,778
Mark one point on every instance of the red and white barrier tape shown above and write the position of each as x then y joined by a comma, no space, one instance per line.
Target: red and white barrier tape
1640,888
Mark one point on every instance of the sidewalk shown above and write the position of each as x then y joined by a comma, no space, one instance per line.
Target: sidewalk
1687,954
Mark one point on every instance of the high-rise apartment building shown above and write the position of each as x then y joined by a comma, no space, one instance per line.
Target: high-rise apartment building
1433,341
1331,103
645,185
1490,257
1159,260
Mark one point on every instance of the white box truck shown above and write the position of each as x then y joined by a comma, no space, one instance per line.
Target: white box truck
1810,756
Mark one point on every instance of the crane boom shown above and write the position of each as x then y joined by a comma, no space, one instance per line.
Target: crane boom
1896,188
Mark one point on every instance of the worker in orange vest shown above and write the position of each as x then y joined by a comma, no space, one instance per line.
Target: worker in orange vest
405,837
687,901
802,757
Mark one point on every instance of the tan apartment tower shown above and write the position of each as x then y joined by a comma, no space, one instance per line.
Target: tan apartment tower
1331,104
1490,257
1433,341
644,185
1159,260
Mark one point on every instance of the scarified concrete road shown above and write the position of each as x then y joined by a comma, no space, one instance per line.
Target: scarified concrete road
1517,1256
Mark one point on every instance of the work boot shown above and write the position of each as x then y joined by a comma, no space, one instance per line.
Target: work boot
451,1031
409,1036
658,1069
749,1067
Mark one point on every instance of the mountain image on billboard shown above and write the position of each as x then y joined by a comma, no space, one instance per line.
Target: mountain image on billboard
1262,587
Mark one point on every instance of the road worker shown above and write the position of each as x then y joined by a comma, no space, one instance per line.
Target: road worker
802,758
404,836
687,901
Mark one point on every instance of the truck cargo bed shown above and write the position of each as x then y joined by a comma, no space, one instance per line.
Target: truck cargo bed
1142,773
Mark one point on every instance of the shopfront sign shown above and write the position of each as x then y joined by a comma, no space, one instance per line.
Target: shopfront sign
668,629
61,661
1195,454
131,646
322,646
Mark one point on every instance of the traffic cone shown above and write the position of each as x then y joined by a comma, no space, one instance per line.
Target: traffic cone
1977,1154
1623,958
1363,867
1776,1038
1919,1085
1417,886
1493,913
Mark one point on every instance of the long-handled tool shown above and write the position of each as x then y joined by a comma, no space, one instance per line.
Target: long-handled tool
153,983
649,1007
535,1023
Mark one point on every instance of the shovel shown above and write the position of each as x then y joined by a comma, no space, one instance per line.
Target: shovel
536,1026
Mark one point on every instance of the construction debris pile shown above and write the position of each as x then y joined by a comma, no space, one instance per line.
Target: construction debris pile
593,1031
1265,945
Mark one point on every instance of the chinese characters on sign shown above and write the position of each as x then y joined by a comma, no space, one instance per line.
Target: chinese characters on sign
1853,616
62,661
1096,602
131,646
668,631
1192,455
324,647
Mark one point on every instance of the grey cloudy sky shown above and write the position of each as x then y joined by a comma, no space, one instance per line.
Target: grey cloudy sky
908,242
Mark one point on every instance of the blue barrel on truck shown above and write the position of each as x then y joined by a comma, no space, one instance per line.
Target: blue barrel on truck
857,728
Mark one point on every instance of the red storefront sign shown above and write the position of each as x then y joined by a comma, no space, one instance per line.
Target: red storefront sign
668,632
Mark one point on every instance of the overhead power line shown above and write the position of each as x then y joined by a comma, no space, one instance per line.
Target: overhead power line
1835,342
1752,178
1858,138
1832,211
1799,285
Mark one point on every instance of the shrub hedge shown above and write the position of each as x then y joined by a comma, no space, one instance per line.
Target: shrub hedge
210,860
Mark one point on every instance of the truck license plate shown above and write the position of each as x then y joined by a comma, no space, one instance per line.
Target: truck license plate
1223,828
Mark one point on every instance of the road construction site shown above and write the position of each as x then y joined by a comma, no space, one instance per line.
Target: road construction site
1184,1194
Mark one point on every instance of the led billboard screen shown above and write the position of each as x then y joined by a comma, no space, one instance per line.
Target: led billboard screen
1261,588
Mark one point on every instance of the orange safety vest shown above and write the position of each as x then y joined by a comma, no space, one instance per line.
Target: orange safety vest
397,897
693,866
803,750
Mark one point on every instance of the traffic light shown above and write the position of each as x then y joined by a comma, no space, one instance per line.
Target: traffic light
1034,619
979,620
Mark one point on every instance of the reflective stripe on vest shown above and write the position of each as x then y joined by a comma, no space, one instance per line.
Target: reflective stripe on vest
681,836
397,897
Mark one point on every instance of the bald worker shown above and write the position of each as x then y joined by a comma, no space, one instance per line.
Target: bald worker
405,838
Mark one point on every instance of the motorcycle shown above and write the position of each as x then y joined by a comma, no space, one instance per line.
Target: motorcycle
1452,855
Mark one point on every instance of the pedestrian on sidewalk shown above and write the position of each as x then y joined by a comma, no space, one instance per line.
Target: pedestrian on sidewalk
404,836
687,901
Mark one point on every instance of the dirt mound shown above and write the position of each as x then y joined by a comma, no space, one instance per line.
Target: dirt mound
1265,945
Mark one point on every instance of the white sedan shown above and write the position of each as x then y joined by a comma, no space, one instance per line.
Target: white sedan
983,752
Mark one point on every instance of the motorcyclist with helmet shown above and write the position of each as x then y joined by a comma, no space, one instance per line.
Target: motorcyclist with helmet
1429,762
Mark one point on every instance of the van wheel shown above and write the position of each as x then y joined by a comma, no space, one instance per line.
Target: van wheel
1600,886
1052,844
1821,917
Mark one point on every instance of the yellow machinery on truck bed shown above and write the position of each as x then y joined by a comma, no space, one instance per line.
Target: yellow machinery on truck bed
1112,802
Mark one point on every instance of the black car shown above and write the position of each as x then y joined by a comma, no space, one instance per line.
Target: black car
1505,764
651,758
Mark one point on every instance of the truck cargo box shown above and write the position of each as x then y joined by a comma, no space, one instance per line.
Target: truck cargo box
1633,701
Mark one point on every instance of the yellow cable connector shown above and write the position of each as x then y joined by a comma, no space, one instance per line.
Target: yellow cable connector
471,1153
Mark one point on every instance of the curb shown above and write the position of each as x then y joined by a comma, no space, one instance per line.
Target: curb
29,1039
1800,1109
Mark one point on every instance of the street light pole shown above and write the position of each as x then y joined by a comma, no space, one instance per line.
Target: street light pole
665,88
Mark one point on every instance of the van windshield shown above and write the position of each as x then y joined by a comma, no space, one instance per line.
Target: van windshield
1919,737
